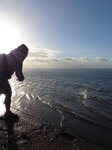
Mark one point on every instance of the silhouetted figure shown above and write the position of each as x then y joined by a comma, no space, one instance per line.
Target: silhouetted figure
9,64
12,141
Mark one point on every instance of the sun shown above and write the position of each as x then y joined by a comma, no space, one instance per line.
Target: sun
9,38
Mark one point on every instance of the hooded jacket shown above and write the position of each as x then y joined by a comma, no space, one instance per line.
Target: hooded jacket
11,63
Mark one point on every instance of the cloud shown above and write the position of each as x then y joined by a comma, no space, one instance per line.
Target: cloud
100,59
81,59
68,59
85,59
42,53
47,58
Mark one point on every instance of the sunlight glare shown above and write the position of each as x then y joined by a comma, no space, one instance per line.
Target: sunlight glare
2,105
9,38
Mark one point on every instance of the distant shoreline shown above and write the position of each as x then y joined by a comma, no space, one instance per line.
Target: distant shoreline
67,69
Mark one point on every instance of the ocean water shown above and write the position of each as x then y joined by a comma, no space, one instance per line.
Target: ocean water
78,101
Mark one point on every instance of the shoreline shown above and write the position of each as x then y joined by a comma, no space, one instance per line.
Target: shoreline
19,134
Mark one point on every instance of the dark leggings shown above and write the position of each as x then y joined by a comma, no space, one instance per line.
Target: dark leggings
6,90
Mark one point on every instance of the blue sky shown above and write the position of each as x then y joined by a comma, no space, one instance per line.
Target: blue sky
61,33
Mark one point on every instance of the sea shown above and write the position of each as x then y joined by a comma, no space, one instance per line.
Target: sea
78,101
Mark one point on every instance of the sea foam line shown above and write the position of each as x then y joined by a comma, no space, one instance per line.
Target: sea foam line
58,110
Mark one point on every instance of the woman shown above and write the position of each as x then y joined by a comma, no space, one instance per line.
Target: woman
9,64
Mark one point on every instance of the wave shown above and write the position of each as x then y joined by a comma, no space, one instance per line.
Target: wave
63,99
52,107
89,119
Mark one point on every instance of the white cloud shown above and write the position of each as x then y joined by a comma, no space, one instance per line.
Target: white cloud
68,59
85,59
42,53
46,58
100,59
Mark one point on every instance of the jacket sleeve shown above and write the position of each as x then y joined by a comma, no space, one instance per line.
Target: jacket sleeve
19,73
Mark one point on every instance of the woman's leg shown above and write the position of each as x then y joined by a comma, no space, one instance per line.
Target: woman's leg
8,102
8,93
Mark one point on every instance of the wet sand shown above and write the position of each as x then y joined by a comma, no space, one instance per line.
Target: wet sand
18,134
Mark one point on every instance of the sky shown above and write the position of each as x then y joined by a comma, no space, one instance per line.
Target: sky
59,33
